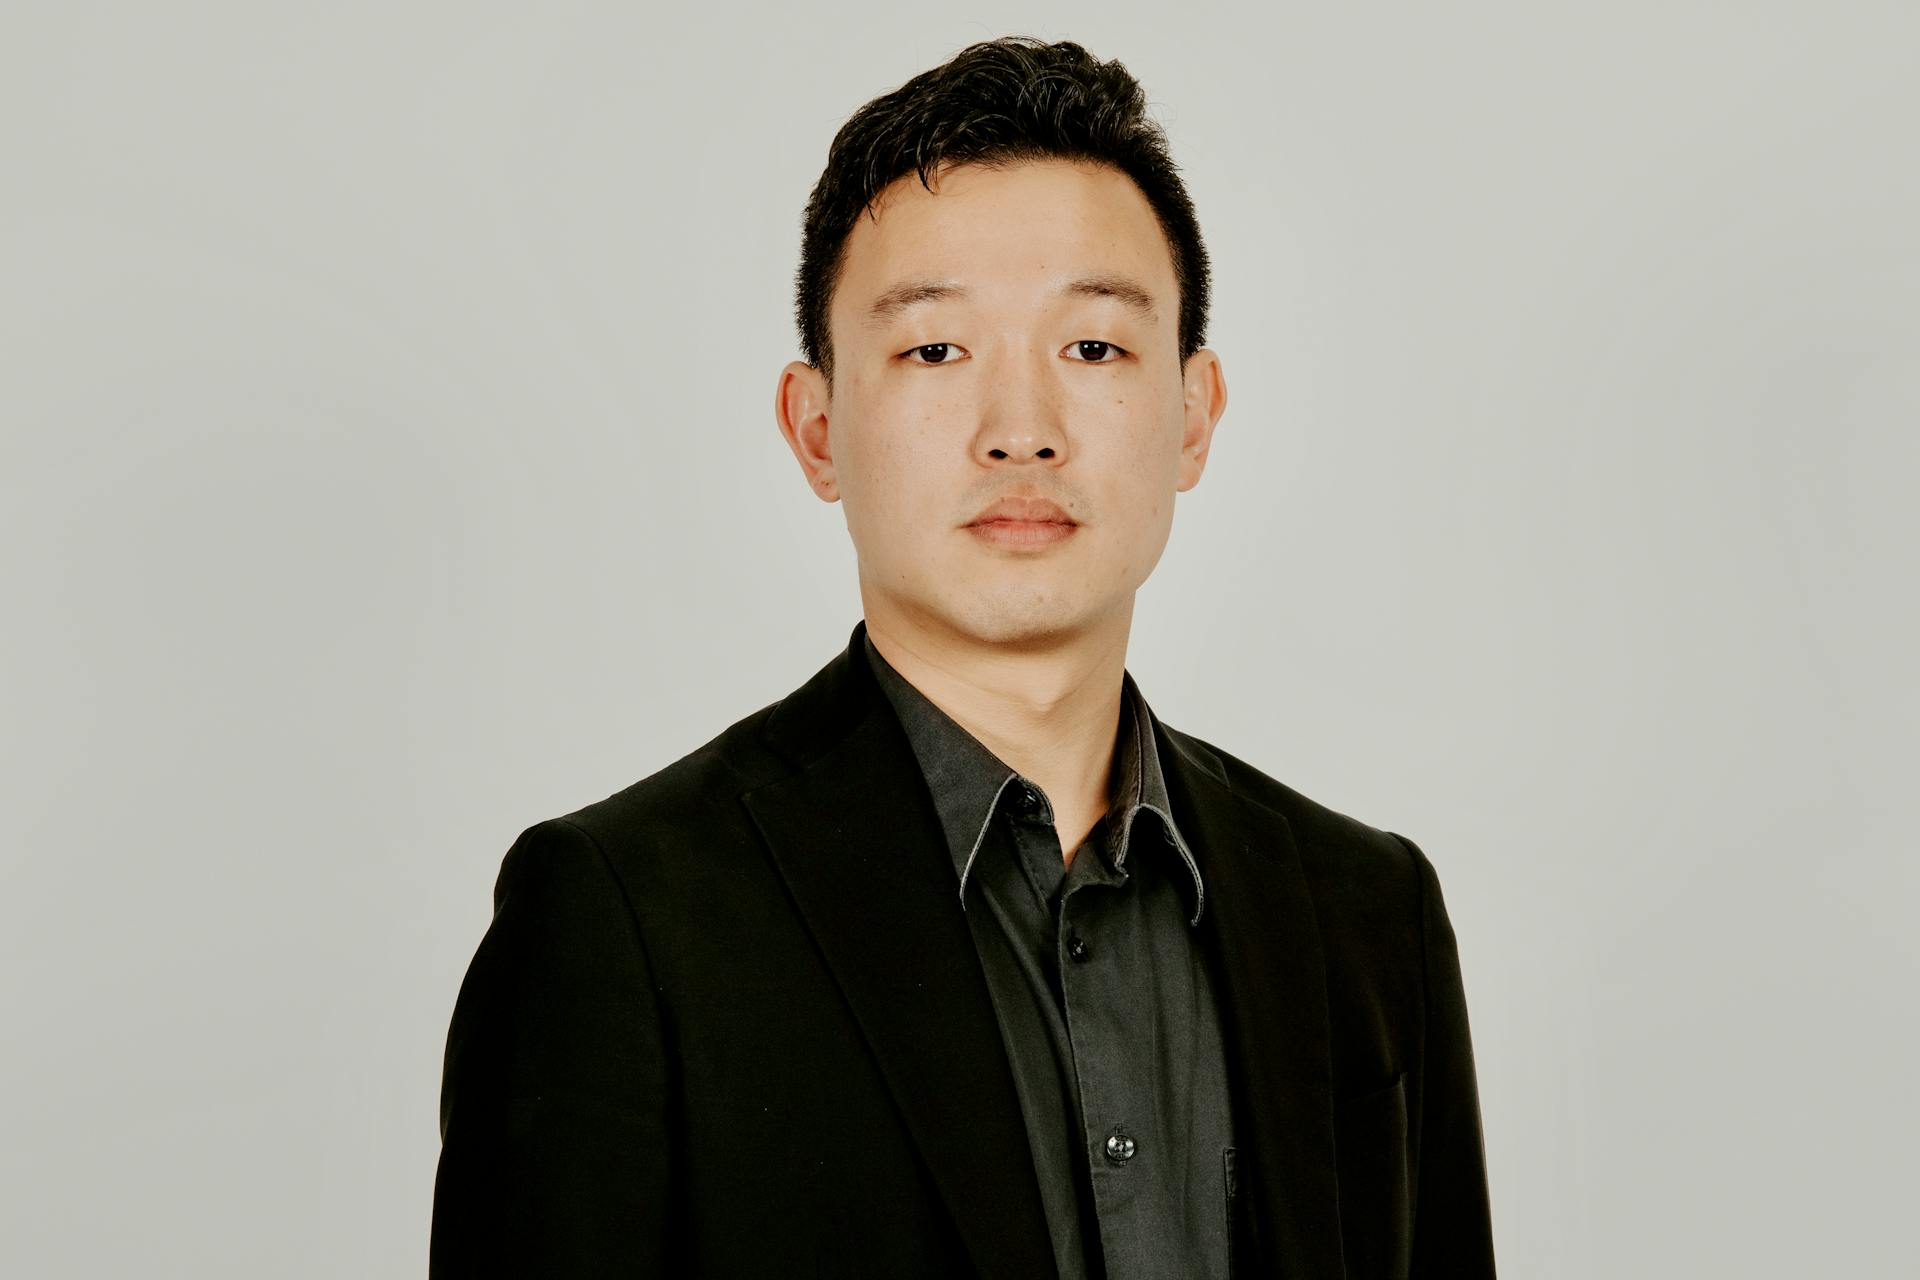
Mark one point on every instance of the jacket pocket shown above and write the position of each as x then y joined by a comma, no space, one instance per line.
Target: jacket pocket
1370,1155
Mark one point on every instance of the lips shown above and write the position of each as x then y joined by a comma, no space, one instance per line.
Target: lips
1024,511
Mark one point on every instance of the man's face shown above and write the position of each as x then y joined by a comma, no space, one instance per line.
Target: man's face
1047,369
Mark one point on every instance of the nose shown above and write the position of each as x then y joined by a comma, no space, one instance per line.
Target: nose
1022,413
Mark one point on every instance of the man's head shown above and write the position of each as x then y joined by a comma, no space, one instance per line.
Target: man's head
1002,295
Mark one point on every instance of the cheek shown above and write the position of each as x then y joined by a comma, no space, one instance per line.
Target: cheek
895,504
1144,457
1143,487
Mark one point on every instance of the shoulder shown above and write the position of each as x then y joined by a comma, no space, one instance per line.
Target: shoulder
693,789
1345,859
688,806
1372,895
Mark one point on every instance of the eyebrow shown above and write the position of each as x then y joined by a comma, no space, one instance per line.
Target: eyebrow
911,293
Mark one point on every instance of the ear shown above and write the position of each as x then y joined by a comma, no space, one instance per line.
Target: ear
1205,399
800,406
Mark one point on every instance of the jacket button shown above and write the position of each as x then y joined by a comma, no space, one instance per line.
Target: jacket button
1077,948
1120,1148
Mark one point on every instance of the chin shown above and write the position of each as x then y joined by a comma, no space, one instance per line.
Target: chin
1022,619
991,604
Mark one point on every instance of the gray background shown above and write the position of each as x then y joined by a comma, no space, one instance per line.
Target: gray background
389,464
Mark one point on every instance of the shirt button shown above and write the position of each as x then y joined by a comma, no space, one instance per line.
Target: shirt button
1078,948
1120,1148
1029,798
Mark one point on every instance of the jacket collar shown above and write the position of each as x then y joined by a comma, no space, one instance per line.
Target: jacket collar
853,830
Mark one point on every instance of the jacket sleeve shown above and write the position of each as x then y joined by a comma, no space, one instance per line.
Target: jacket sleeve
554,1156
1452,1216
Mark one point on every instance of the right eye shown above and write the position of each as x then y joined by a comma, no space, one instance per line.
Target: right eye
935,353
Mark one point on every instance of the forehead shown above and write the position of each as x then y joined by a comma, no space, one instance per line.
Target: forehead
1012,233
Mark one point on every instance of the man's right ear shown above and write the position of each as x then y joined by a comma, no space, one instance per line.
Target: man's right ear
800,406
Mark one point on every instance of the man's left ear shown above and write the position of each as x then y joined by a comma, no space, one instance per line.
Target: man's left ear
1205,399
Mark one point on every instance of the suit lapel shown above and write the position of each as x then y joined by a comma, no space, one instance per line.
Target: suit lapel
1263,943
857,840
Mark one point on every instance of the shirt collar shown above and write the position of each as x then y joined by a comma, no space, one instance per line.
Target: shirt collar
969,782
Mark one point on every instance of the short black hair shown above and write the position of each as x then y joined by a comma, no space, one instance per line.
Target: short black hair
996,103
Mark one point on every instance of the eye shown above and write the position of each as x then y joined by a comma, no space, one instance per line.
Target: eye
935,353
1092,350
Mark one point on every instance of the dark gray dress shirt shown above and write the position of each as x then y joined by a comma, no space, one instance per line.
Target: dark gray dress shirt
1105,1004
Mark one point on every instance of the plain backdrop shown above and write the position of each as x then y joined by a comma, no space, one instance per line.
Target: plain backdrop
389,464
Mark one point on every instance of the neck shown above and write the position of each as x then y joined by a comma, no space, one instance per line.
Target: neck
1049,707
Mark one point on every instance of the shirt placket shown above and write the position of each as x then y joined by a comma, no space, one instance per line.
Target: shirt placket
1090,976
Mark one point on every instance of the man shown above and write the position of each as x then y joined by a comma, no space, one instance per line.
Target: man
957,960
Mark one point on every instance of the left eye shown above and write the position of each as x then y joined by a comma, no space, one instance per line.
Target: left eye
1091,352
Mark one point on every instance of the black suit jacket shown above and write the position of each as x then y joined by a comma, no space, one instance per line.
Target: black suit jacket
730,1021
